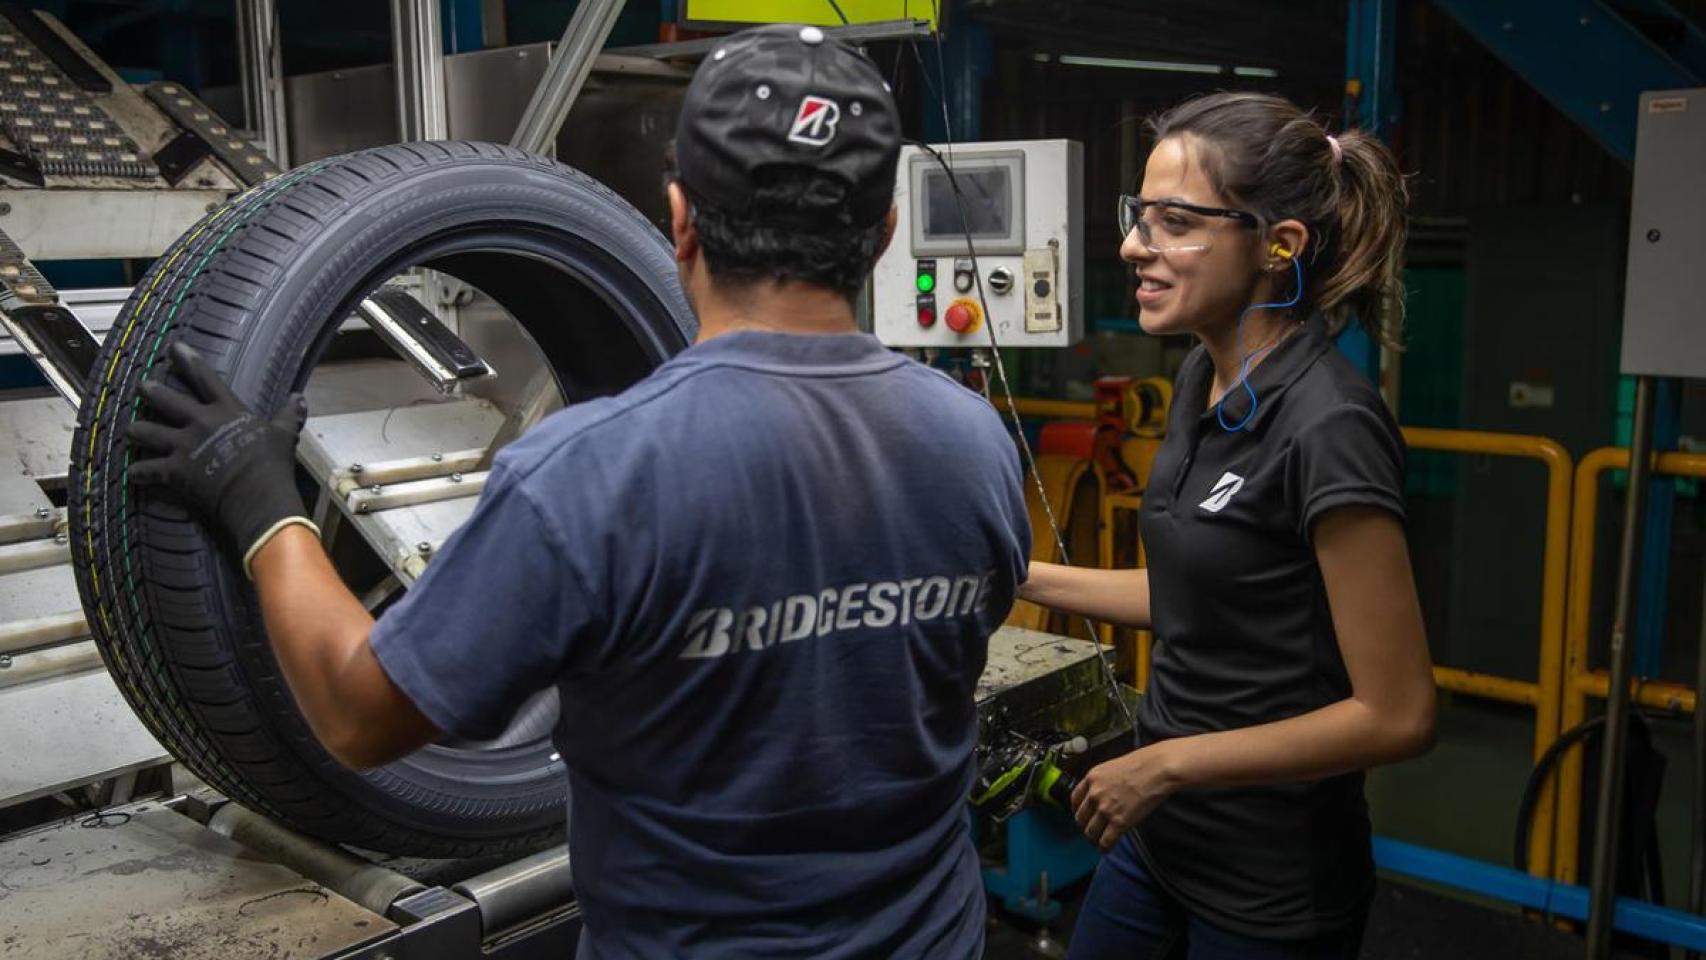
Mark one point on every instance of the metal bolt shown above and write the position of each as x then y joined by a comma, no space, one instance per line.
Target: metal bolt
42,513
5,661
5,208
355,468
59,538
423,547
376,489
1653,236
438,458
456,478
361,507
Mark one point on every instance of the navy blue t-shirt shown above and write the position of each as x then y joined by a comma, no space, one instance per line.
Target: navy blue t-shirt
763,580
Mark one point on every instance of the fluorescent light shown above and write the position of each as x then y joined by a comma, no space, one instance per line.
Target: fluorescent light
1166,66
1254,72
1041,57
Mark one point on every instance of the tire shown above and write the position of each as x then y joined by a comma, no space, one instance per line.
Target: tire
258,287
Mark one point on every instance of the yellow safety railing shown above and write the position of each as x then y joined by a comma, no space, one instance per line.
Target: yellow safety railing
1545,694
1581,682
1053,409
1112,504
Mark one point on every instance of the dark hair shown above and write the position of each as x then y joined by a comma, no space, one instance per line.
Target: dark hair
799,226
1274,159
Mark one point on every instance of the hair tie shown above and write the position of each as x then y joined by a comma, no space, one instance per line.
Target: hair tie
1338,151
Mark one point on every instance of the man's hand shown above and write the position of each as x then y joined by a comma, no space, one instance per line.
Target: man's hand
235,468
1115,795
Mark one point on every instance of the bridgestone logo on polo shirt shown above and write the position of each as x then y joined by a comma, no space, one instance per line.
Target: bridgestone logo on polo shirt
1228,484
878,605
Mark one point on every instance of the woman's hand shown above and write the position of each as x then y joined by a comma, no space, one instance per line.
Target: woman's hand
1115,795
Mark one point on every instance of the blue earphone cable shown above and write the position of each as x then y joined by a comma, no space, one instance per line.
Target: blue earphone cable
1244,366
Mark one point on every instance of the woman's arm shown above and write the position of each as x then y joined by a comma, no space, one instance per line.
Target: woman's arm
1120,597
1389,715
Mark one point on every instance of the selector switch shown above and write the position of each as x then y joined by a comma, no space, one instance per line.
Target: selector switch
1000,280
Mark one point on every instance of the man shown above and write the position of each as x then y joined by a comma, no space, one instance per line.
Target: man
762,579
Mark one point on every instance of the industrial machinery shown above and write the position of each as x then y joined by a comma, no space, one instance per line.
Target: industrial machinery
1046,715
996,226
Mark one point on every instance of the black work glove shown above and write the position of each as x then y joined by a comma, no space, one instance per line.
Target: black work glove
233,467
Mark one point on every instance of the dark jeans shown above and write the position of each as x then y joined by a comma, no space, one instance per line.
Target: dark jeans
1128,916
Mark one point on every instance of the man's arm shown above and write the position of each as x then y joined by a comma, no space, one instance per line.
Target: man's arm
319,633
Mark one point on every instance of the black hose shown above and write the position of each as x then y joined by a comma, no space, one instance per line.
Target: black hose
1537,778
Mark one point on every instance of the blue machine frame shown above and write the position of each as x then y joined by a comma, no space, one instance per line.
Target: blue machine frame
1042,842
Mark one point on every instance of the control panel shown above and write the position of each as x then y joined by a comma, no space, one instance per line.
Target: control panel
1021,204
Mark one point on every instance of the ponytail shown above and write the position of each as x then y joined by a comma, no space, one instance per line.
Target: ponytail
1366,275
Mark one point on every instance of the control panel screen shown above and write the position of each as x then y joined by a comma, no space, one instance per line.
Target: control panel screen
992,184
988,194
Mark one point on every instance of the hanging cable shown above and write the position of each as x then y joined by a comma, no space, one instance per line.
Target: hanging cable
1249,358
1112,681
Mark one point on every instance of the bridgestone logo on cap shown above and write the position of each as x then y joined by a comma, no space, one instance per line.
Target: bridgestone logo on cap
814,125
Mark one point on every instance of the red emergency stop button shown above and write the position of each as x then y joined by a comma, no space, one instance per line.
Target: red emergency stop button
962,316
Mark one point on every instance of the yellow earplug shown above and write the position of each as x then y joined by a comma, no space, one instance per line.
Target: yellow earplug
1280,250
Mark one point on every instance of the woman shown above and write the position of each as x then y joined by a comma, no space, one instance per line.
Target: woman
1290,654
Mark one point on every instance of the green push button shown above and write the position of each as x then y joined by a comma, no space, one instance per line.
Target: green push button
926,282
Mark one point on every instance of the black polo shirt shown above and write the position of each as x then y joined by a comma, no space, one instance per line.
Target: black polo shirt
1244,635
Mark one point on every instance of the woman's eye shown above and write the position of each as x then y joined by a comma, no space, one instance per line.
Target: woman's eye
1175,222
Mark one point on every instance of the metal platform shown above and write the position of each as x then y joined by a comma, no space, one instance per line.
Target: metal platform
64,723
1040,682
65,732
147,881
404,477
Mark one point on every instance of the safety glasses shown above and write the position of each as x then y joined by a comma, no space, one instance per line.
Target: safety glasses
1173,226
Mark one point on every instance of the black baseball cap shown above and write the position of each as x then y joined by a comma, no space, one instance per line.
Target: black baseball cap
788,95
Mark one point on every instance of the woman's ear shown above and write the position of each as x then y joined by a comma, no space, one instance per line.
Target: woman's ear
1287,240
